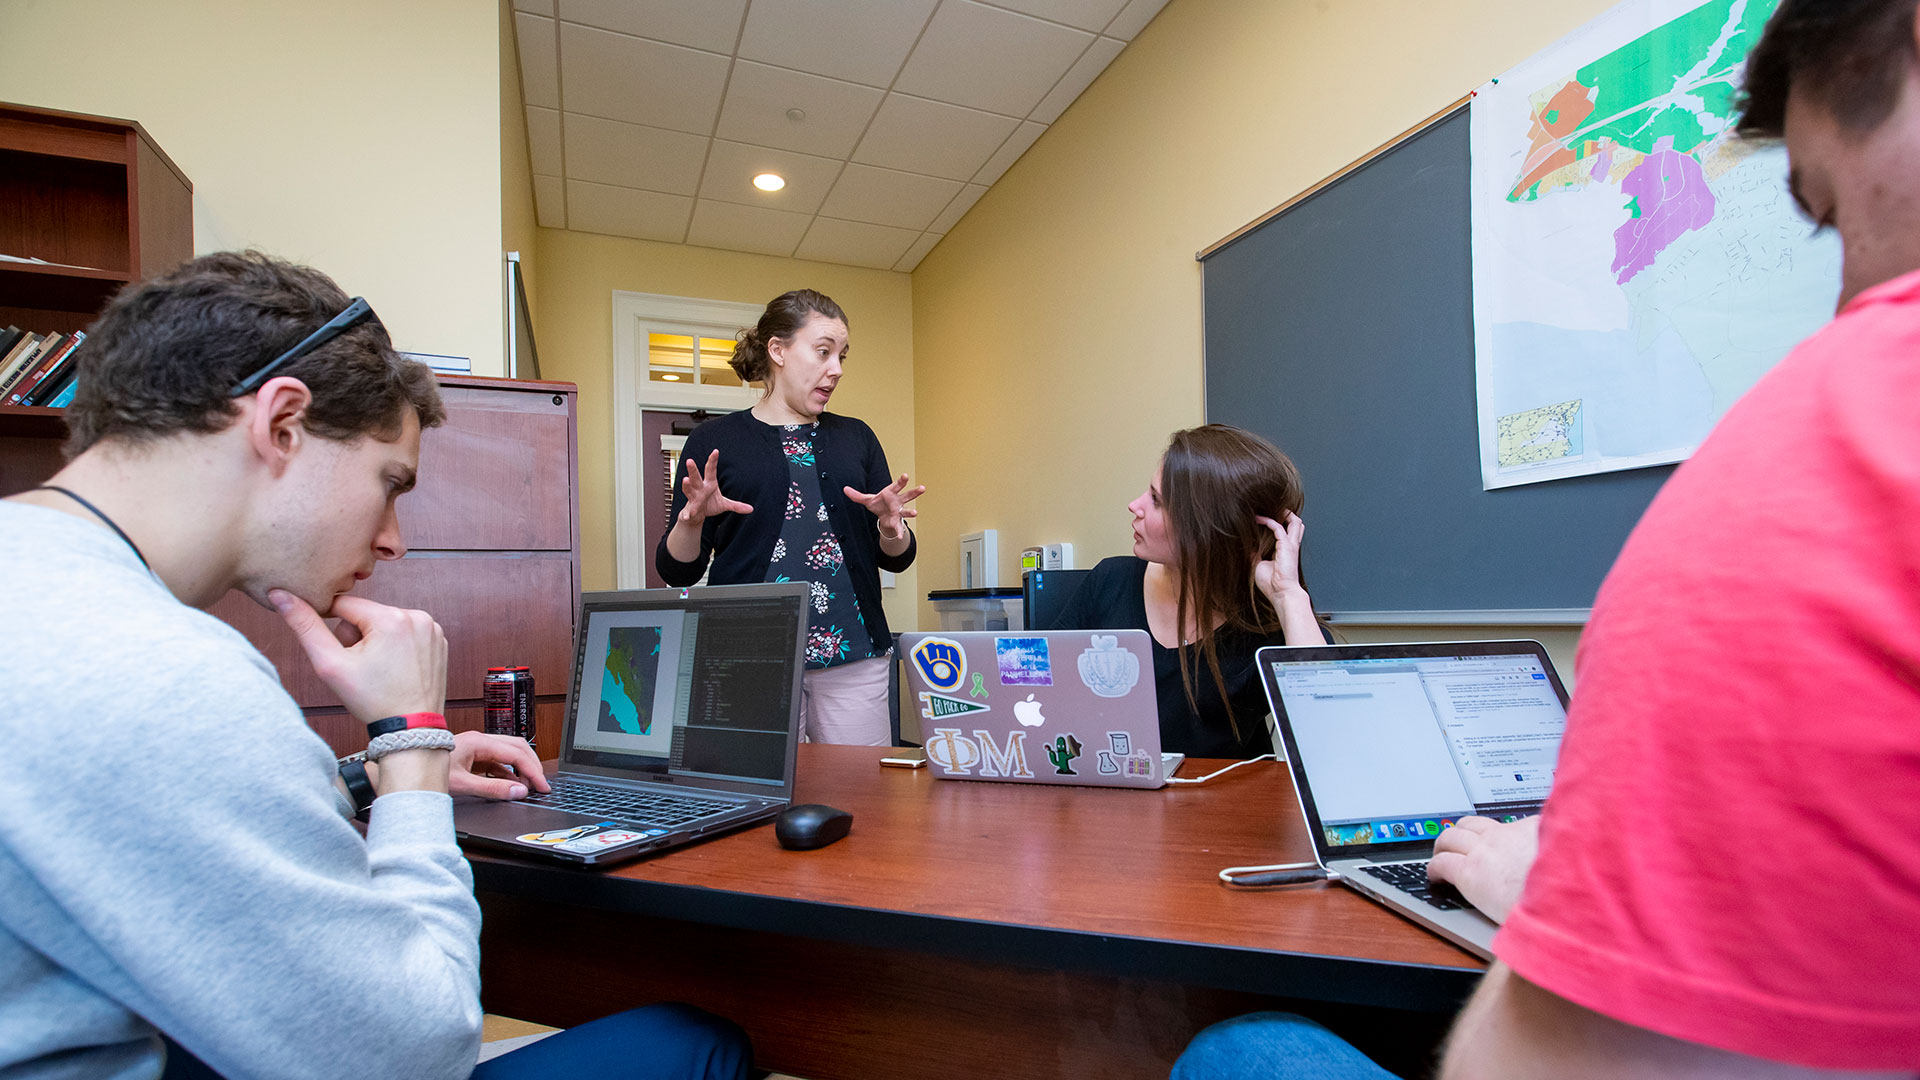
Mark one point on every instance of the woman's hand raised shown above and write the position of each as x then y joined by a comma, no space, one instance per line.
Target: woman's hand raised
1280,574
703,493
889,504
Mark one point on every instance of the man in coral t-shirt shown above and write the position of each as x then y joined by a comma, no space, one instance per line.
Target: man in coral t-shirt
1727,876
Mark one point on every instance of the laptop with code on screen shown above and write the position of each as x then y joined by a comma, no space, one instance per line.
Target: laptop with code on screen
1391,744
682,721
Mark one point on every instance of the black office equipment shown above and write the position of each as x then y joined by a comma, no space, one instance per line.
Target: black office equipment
1342,328
1045,592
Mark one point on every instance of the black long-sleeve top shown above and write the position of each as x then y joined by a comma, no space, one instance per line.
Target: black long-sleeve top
754,471
1114,597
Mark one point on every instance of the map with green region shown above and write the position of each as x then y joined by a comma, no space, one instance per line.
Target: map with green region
1548,433
1637,265
627,685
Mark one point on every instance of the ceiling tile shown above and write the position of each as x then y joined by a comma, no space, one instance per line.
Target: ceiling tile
539,62
1009,152
537,7
1134,18
631,155
811,36
885,197
759,96
746,228
1077,79
856,243
958,208
1085,14
732,166
647,215
914,135
713,25
917,252
986,58
550,202
543,140
640,81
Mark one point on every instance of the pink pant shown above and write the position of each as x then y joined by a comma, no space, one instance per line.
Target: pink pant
847,704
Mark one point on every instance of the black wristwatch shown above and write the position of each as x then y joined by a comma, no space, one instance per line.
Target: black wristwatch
359,788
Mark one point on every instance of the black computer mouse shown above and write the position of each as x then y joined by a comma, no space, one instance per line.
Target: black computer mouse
810,826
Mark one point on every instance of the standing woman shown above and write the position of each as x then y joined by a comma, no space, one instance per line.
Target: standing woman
808,497
1214,575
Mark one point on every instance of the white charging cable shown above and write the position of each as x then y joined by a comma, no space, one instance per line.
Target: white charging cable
1293,873
1218,772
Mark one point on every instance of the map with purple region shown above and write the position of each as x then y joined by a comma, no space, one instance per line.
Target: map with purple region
1636,265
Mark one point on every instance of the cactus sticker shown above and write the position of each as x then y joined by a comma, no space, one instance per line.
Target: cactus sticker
1061,752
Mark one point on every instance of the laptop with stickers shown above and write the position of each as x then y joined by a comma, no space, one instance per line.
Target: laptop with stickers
1391,744
1038,707
682,721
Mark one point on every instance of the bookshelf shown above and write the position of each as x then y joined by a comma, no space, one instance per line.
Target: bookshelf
101,205
97,200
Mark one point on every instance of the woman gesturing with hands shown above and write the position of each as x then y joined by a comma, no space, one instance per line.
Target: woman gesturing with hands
702,491
787,491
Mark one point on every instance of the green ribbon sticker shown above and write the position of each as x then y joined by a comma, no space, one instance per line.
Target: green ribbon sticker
979,685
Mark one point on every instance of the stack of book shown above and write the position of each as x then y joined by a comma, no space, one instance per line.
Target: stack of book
38,369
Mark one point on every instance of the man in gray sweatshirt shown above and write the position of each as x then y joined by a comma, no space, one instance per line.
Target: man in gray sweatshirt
176,856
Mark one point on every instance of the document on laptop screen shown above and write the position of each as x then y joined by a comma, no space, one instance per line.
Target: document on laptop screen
1368,739
1422,737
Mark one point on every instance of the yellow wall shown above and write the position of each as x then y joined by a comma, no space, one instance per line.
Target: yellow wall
1057,329
360,136
516,167
580,271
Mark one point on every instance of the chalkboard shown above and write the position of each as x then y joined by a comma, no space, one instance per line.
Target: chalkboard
1342,329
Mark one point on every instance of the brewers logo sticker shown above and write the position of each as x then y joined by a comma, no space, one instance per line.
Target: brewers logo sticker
941,662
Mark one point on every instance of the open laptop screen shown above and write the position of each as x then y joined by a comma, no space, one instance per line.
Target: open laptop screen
699,688
1394,748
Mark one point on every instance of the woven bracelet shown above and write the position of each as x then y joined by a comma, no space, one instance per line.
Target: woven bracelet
416,739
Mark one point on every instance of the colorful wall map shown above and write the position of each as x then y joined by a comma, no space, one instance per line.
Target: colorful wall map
1636,266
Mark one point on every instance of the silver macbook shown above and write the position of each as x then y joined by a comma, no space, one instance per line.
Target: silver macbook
682,719
1039,707
1391,744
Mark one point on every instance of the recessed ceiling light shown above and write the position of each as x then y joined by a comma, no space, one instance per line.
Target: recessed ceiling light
767,181
796,115
670,378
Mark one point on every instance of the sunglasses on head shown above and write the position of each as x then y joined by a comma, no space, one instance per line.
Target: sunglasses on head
356,313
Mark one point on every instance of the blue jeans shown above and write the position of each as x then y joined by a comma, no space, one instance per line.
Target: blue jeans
1273,1046
658,1042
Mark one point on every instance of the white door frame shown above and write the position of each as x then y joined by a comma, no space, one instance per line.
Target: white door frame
635,315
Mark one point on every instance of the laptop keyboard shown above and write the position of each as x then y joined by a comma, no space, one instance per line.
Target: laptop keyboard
1411,878
626,805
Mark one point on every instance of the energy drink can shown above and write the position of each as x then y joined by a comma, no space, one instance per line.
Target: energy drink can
523,703
497,715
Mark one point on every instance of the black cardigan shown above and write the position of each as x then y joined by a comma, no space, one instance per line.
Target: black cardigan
754,471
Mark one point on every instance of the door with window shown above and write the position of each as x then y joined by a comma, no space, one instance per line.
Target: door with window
662,434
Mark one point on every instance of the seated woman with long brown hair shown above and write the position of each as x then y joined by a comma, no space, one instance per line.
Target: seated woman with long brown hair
1214,575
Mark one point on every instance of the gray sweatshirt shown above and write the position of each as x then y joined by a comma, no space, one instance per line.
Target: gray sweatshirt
174,854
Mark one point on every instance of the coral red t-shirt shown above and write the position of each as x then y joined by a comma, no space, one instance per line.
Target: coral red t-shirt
1731,854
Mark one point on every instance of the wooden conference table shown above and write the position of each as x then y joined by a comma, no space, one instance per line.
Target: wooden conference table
964,929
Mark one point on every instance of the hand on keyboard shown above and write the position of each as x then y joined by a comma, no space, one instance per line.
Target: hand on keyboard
1487,861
